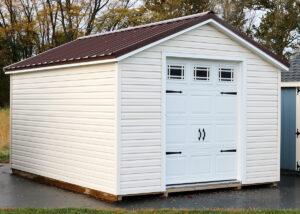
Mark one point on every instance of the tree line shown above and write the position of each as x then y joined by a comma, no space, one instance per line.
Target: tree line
29,27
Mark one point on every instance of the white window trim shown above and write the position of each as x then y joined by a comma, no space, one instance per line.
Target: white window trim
208,78
232,79
183,77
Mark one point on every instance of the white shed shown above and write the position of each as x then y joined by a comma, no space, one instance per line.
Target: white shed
183,104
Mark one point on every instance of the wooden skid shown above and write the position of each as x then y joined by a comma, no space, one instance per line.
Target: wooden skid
72,187
202,186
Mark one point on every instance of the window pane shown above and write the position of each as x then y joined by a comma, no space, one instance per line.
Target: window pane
201,73
175,72
226,75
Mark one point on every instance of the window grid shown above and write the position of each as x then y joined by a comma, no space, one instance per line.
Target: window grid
201,73
176,72
226,75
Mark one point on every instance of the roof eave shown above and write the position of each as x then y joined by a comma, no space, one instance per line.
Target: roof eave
215,21
52,67
123,54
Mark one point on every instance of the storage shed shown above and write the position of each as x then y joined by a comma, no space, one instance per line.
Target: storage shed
290,115
183,104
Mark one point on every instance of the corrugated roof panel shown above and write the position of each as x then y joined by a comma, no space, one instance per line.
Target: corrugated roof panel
114,44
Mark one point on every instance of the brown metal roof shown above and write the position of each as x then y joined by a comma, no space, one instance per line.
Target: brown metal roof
114,44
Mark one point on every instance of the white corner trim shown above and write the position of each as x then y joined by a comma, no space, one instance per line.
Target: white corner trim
163,121
48,68
279,126
290,84
118,127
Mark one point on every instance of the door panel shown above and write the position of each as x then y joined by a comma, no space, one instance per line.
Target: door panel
175,133
200,104
200,122
226,104
176,104
226,166
225,133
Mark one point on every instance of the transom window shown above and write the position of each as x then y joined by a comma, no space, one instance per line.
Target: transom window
226,75
201,73
176,72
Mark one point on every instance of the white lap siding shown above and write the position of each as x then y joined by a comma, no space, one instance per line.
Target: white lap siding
141,157
64,125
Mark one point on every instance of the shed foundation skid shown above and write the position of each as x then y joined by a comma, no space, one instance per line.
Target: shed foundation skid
67,186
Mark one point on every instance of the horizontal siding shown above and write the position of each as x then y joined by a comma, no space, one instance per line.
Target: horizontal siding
141,161
63,125
141,109
262,150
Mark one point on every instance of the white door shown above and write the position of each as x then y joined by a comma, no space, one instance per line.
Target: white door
201,117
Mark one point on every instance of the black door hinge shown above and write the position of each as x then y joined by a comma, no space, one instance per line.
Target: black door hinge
173,92
173,153
228,150
230,93
297,133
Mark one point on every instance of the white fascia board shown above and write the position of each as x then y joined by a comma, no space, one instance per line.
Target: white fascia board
290,84
161,40
223,29
48,68
247,44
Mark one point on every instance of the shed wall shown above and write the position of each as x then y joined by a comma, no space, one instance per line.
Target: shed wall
288,128
64,125
141,155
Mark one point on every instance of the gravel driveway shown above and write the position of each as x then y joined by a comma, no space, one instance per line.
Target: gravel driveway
19,192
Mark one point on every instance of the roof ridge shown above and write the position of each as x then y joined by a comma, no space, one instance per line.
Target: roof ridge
149,25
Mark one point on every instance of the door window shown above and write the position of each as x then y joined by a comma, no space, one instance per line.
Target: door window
201,73
226,75
176,72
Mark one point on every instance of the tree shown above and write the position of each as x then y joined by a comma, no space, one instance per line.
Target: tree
167,9
280,26
121,14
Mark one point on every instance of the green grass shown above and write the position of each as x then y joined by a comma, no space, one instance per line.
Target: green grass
4,155
159,211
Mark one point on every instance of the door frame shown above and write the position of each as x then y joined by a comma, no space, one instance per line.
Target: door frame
241,113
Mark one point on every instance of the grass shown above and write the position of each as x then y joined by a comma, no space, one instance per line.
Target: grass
4,135
158,211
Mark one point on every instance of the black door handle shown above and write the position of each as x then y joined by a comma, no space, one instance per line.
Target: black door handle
173,92
200,134
204,134
173,153
228,150
297,133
